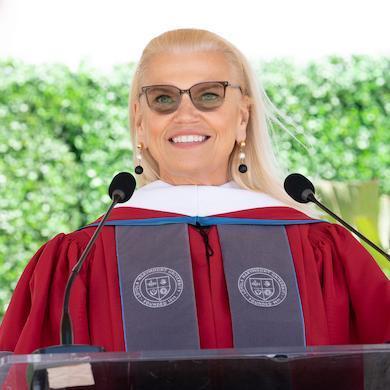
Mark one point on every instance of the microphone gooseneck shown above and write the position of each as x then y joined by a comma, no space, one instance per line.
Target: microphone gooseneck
302,190
121,189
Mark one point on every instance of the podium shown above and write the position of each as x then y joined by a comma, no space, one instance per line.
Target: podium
330,367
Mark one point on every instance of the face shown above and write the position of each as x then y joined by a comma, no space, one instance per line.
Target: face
203,158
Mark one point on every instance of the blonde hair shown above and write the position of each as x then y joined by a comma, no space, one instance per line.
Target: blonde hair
264,173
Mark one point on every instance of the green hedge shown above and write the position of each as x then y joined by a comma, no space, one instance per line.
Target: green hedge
64,134
342,108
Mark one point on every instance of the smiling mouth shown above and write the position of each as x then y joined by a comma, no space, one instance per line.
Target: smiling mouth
189,139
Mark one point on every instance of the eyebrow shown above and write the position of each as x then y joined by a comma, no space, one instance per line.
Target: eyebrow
160,86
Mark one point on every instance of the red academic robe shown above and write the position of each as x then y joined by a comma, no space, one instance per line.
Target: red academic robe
345,296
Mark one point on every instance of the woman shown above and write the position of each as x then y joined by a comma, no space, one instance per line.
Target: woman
210,252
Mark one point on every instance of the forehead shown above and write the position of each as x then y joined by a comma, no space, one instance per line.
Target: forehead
186,69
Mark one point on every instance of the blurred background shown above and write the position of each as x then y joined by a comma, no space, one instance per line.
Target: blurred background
65,72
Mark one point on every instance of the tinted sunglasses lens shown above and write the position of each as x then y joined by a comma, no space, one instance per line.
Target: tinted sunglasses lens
208,96
163,99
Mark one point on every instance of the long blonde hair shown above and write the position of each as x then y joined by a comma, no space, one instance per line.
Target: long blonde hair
264,173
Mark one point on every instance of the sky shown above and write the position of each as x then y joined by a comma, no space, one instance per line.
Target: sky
104,33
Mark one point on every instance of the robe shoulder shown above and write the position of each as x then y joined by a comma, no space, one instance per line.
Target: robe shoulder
336,272
33,316
37,300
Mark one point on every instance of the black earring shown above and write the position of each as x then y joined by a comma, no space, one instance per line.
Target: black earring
242,167
138,169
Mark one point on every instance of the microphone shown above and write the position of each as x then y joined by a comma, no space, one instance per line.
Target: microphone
301,189
121,189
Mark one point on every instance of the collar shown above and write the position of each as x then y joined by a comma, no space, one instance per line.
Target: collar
198,200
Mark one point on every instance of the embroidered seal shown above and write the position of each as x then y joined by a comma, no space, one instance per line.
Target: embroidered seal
262,287
157,287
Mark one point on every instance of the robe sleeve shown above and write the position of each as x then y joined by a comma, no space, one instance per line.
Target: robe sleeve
345,295
368,287
33,317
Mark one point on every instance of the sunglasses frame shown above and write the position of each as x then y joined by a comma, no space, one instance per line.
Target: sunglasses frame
225,84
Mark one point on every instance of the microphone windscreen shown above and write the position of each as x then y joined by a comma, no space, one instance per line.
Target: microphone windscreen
295,184
124,182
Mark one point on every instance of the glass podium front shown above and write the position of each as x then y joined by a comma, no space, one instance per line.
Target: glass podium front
331,367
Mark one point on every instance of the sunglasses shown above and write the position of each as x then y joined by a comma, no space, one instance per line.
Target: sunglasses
206,96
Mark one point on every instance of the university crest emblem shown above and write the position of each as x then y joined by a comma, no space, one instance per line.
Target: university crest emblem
157,287
262,287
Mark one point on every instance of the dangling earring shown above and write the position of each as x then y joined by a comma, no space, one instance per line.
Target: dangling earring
242,167
138,169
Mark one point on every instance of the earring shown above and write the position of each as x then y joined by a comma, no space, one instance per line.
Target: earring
242,167
138,169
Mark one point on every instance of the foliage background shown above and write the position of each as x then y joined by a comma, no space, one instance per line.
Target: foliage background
64,134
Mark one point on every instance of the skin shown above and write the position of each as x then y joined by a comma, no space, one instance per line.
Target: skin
203,163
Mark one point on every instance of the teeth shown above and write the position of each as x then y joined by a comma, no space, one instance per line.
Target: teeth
189,138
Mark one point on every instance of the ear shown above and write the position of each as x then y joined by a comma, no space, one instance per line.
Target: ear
243,117
138,123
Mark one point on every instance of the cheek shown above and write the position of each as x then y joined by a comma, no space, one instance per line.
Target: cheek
226,124
228,131
154,130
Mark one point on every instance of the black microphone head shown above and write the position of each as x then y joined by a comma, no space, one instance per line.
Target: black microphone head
123,184
299,187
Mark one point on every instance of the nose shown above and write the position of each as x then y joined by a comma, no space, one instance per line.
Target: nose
186,107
